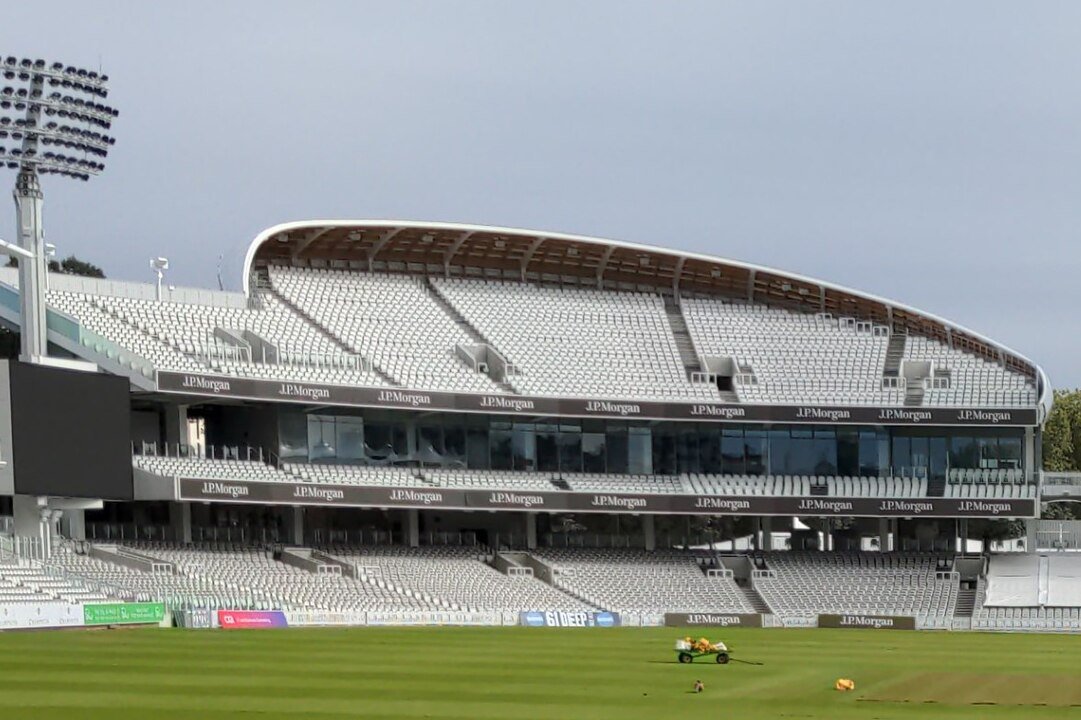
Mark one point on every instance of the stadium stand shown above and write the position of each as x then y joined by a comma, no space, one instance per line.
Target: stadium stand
208,469
988,483
577,342
691,483
23,582
271,583
182,336
808,583
793,357
969,380
456,578
633,581
392,320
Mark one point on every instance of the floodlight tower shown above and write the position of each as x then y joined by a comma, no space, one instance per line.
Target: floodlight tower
51,121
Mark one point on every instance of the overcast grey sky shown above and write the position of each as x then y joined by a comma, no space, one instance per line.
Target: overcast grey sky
924,151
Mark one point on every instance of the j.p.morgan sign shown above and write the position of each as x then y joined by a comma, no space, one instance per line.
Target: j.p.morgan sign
351,496
712,620
872,622
233,387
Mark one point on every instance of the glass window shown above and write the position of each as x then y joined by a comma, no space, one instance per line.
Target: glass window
939,457
756,451
709,450
454,442
524,446
639,451
502,457
1010,451
293,436
593,452
964,452
664,451
321,440
848,452
349,438
901,458
733,451
477,448
547,448
686,450
616,441
570,451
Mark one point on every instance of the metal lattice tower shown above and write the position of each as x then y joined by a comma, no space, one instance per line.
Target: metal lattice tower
52,121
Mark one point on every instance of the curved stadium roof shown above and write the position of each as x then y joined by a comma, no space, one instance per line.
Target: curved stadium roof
480,251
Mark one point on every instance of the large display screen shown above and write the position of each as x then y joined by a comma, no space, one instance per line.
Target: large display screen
70,433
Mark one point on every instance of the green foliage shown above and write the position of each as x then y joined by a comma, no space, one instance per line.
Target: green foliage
1062,433
70,265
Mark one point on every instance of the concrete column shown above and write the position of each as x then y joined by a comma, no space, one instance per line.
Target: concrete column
766,524
1030,534
27,516
963,531
1028,453
531,530
180,521
74,524
412,527
176,425
649,532
883,534
298,525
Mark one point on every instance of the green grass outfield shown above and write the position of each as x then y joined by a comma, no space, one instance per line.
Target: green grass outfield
520,673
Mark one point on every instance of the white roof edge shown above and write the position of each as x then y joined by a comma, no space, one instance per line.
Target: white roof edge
1045,399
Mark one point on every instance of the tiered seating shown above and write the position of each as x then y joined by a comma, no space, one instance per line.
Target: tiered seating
489,479
811,583
577,342
801,485
355,475
456,578
138,586
159,353
988,483
180,336
633,581
972,380
27,583
602,482
392,320
794,357
204,469
275,584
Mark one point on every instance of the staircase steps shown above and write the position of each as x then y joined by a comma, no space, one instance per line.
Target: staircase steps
895,353
966,602
755,600
682,336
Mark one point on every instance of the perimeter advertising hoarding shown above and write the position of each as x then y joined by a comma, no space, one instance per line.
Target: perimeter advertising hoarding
713,620
251,619
239,491
45,615
233,387
551,618
874,622
123,614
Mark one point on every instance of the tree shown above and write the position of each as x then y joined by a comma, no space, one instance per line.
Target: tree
70,265
1062,433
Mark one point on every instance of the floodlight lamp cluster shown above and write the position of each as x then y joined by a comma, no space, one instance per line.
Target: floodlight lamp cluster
59,131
